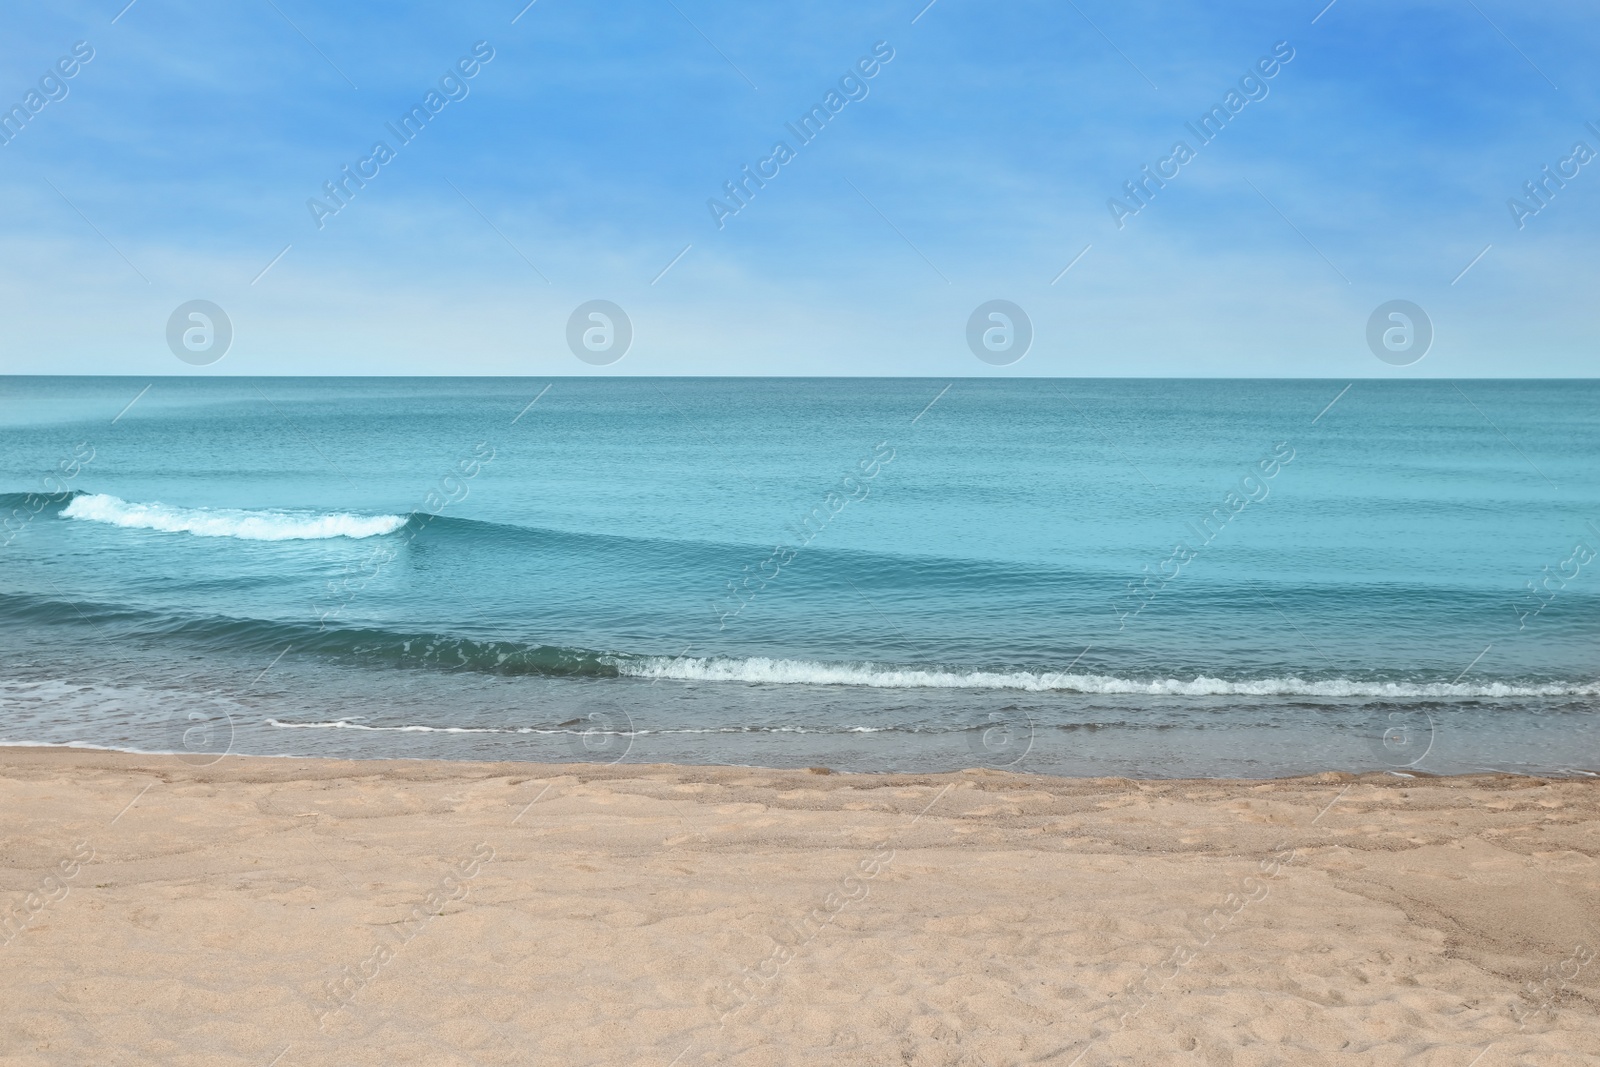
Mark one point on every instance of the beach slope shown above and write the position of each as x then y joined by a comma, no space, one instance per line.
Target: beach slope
297,912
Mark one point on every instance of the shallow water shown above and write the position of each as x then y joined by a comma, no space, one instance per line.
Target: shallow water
1083,577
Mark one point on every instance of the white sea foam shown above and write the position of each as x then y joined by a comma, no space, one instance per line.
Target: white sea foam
347,724
265,525
803,672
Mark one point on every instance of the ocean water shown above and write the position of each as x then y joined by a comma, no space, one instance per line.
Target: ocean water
1139,577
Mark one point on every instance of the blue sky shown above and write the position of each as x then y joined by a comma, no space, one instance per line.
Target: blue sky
978,166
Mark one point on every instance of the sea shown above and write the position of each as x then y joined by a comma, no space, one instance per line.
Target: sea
1144,578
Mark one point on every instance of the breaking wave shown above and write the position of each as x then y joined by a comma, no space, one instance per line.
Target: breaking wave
804,672
379,648
263,525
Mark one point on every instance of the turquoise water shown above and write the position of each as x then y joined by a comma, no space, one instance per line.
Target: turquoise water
1147,577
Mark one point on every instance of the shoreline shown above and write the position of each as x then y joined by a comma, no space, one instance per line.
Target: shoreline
202,761
381,911
180,761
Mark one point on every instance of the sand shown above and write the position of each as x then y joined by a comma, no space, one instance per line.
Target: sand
293,912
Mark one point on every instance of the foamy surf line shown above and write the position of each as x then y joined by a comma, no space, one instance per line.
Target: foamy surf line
346,724
264,525
802,672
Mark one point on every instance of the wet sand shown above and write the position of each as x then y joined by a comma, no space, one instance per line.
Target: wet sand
286,912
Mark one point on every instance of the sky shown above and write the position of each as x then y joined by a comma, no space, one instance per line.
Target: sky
582,158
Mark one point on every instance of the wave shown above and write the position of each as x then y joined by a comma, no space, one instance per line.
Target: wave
264,525
368,647
576,728
596,548
36,502
806,672
356,646
290,524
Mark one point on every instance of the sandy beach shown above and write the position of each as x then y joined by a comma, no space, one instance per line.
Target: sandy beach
286,912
